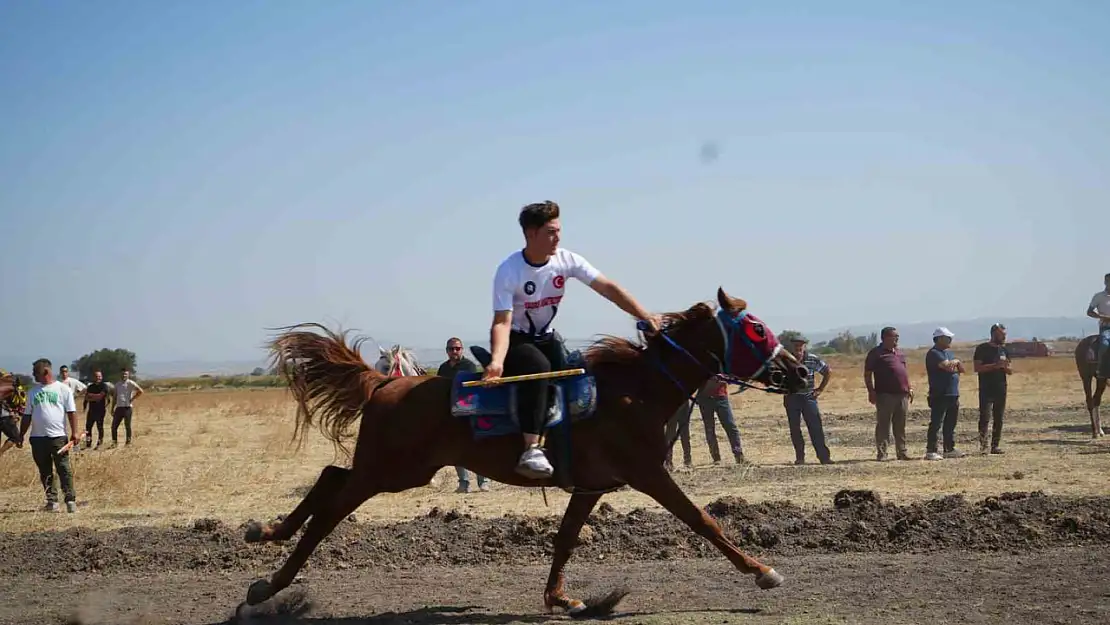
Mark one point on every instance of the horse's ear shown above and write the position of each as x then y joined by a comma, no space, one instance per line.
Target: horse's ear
729,303
381,351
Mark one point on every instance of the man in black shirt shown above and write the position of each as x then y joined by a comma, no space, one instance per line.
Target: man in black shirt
455,363
96,406
993,366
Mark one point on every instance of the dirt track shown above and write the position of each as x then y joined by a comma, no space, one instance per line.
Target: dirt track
1003,559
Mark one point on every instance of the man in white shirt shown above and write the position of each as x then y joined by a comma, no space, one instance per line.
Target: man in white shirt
1100,309
124,395
49,405
528,289
75,385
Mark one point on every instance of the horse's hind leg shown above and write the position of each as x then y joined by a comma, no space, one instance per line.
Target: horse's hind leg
327,515
1096,401
578,510
331,479
655,482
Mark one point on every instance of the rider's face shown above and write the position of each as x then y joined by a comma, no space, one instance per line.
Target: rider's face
545,239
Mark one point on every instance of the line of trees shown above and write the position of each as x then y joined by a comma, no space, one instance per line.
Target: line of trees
110,362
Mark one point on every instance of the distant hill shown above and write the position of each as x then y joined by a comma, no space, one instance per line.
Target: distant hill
921,333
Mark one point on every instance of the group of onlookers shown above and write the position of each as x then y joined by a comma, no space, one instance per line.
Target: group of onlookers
50,407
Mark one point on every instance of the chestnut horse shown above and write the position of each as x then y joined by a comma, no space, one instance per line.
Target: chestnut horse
1087,365
408,433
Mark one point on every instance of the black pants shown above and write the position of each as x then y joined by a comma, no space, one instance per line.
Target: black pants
44,451
9,427
991,405
121,415
95,417
945,411
528,354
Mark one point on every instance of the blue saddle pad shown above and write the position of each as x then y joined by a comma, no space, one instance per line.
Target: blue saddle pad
491,411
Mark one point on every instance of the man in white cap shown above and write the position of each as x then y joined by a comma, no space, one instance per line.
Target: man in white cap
944,372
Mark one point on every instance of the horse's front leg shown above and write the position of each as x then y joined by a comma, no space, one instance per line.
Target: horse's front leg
654,481
578,510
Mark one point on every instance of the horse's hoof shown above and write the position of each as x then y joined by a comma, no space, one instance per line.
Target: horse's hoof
254,532
769,580
574,606
259,591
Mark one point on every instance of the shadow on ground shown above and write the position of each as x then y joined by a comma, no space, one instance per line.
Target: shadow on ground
440,615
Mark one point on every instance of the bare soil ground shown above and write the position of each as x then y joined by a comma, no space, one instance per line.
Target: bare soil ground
858,560
1018,538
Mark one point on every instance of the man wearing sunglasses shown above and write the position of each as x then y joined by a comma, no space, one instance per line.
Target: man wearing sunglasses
992,363
451,367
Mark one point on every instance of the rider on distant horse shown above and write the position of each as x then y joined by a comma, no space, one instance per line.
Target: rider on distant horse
527,290
1100,309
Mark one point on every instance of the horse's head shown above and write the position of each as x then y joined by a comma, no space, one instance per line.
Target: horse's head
737,344
397,362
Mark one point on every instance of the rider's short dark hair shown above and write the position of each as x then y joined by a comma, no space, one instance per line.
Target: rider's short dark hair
453,339
537,214
885,331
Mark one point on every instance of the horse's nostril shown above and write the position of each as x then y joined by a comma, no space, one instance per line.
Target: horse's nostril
802,372
777,377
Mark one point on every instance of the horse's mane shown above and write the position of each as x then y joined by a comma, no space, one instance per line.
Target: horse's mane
619,350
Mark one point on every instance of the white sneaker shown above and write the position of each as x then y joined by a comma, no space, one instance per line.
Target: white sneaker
932,455
955,453
533,463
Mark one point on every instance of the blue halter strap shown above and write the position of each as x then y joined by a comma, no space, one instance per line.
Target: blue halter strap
730,327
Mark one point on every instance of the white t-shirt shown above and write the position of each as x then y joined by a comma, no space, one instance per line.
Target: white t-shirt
75,385
1101,303
534,293
124,392
47,406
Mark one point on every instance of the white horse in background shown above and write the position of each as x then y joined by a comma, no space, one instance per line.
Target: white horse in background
397,362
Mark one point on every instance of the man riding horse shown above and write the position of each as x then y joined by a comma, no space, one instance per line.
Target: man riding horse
1099,308
528,288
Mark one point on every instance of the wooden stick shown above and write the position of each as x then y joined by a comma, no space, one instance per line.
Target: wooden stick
563,373
64,450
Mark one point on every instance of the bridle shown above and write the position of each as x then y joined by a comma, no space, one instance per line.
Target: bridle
731,329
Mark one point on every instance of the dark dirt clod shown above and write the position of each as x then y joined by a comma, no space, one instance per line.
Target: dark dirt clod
858,521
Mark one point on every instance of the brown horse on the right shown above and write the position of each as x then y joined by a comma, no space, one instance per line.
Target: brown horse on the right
1087,367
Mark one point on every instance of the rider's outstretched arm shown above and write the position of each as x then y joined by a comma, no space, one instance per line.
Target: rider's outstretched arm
615,293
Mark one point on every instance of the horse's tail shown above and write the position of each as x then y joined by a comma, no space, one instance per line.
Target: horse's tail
330,381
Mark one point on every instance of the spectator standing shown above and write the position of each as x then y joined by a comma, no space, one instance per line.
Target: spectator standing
126,392
712,400
943,370
96,407
49,405
889,390
75,385
456,362
802,405
992,363
1099,308
679,425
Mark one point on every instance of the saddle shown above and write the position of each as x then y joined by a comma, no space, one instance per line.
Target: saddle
491,410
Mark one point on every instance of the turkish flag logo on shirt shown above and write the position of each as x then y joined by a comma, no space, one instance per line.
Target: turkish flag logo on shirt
559,281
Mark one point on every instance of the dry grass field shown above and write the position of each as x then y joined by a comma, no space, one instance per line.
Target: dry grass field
227,454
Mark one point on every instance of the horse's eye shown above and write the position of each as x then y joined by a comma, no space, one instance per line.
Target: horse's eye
756,331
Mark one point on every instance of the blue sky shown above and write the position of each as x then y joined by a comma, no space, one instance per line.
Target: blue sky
176,178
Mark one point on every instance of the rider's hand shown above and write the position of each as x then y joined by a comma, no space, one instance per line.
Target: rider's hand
493,371
655,323
73,438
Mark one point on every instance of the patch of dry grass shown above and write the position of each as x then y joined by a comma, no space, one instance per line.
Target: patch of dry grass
228,455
